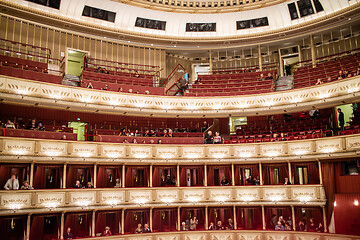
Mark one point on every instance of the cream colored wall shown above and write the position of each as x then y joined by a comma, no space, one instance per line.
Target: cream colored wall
173,61
58,40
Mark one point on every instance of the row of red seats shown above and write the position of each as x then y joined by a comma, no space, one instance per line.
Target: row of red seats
125,88
19,62
164,140
29,74
235,75
108,78
119,73
22,133
158,134
266,83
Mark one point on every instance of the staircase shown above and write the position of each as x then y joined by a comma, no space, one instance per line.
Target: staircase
171,82
71,80
284,83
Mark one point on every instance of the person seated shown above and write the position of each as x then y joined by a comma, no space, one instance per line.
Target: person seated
320,228
99,70
9,124
159,141
287,182
68,234
173,181
130,90
123,132
300,226
89,185
152,133
40,126
129,133
217,138
89,85
106,88
193,223
184,227
139,229
208,137
125,141
147,92
117,183
78,184
120,89
26,186
152,141
256,181
281,219
340,76
146,228
143,142
287,227
31,125
249,181
106,232
137,75
205,127
165,133
170,133
134,141
224,181
12,183
269,77
319,82
212,226
311,227
279,227
219,226
136,133
262,78
230,225
146,133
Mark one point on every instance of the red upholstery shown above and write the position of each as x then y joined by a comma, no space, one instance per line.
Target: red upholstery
165,140
22,133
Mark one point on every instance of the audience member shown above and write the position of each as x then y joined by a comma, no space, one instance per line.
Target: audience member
26,186
68,234
117,183
159,141
78,184
269,77
287,227
40,126
208,137
186,76
89,85
217,138
273,221
311,227
287,182
320,228
224,181
165,133
212,226
146,228
12,183
219,226
106,88
183,85
262,78
341,119
143,142
120,89
205,127
106,232
152,141
230,225
319,82
300,226
279,227
170,133
125,141
89,185
9,124
184,227
256,181
134,141
193,223
139,229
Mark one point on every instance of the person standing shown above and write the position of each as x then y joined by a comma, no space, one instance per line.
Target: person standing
12,183
193,223
68,234
186,76
341,119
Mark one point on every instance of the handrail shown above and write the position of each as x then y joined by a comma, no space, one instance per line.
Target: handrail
121,68
172,79
25,44
133,64
29,54
167,79
331,56
254,66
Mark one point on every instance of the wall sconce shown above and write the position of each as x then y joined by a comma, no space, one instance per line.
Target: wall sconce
112,203
247,199
334,203
50,205
15,206
84,155
168,200
305,199
356,202
141,201
193,199
275,198
83,203
221,199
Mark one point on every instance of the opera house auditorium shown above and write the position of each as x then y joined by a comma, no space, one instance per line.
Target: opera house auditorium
180,119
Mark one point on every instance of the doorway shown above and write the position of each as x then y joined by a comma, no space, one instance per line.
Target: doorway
80,128
289,64
75,62
199,69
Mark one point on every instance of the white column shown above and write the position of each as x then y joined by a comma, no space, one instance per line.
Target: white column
206,217
235,221
260,173
290,174
293,217
31,182
95,174
150,221
178,219
260,58
64,175
178,175
93,224
210,61
28,222
123,177
232,175
122,220
320,173
151,175
263,216
313,53
62,222
324,217
205,175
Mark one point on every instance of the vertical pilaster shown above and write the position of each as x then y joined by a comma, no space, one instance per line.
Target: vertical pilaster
93,223
205,175
260,173
31,182
64,175
235,221
178,218
123,177
151,217
95,174
62,223
206,217
232,175
320,172
151,176
178,175
313,53
293,217
28,222
260,58
210,61
290,174
122,220
324,217
263,217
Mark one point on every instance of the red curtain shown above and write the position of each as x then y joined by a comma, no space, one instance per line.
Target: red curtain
164,219
110,219
249,218
20,170
47,176
84,173
13,227
346,214
221,214
269,170
160,174
240,173
188,213
270,212
345,183
220,172
137,176
80,224
328,172
196,178
134,217
44,227
107,175
305,214
313,172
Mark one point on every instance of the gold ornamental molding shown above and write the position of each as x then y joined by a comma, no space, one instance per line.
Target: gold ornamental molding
326,22
47,95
